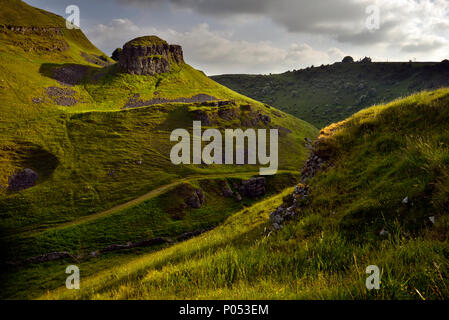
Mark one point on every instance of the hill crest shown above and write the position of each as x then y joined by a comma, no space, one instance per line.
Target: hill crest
149,55
330,93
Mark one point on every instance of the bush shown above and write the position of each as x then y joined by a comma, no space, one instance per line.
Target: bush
348,59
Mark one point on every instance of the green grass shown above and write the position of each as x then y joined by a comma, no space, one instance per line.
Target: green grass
105,176
99,150
98,172
379,156
18,13
161,216
240,260
393,151
98,165
328,94
146,41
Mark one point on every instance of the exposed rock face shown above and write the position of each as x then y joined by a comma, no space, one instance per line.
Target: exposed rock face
226,190
62,96
196,200
149,55
116,54
218,103
207,118
265,119
47,31
288,210
238,197
290,207
136,102
228,113
313,164
253,188
23,180
317,159
40,43
253,118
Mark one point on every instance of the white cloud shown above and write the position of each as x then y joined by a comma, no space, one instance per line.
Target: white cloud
425,44
312,32
110,36
403,22
216,52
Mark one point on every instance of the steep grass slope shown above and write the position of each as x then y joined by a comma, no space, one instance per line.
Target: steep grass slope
87,159
161,218
328,94
63,115
375,159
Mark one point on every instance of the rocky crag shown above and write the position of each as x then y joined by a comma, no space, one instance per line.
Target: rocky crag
36,38
195,198
291,206
136,102
149,55
252,188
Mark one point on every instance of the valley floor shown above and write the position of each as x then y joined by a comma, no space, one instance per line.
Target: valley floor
242,259
380,198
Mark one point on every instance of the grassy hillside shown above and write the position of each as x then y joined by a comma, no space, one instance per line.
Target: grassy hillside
161,215
375,159
67,113
328,94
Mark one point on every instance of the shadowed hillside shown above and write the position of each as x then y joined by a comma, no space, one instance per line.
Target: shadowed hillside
327,94
378,195
85,166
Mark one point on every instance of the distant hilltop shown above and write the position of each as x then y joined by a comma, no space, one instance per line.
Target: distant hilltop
148,55
325,94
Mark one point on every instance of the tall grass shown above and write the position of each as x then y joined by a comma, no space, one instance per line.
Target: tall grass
379,157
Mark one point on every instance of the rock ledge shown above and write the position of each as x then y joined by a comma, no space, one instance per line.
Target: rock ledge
149,55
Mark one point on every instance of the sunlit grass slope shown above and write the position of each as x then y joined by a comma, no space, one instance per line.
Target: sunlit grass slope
163,215
95,154
391,152
378,157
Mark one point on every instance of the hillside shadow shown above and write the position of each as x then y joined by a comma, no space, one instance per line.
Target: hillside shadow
35,157
71,74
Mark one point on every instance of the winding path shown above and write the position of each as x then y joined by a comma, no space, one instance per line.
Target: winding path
151,194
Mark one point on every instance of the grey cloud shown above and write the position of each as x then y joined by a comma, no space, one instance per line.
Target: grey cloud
342,20
319,16
406,25
324,16
214,7
215,53
422,46
387,33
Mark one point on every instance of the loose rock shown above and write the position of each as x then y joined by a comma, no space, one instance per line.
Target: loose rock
253,188
196,200
22,180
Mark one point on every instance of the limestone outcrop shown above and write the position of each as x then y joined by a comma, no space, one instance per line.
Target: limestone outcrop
149,55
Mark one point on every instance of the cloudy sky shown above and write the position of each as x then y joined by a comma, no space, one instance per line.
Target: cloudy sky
270,36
